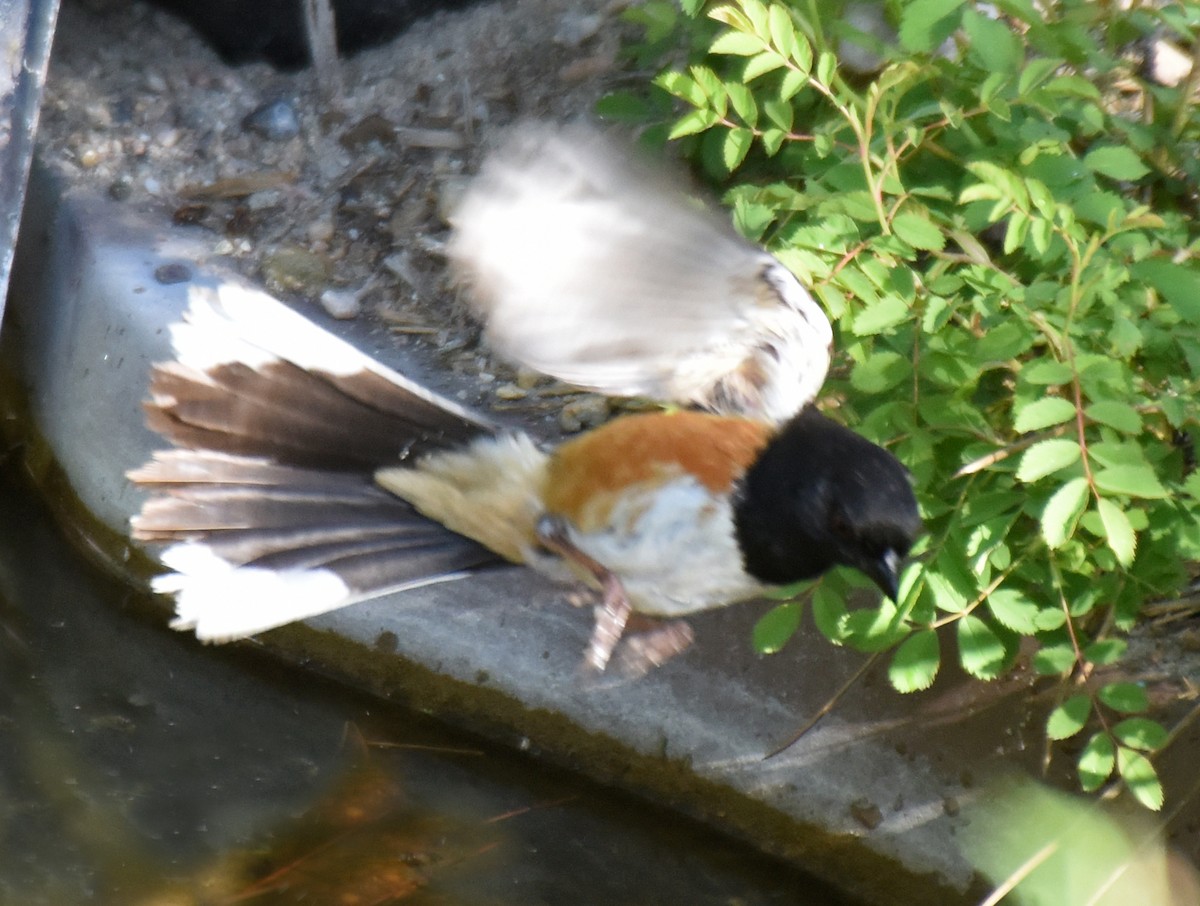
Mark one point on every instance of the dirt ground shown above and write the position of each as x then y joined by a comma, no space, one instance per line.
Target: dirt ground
344,204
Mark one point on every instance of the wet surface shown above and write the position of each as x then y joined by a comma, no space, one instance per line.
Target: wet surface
139,767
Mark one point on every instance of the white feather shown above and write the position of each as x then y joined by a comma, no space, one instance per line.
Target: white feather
221,602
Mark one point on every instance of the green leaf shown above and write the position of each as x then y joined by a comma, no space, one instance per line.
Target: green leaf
744,104
881,315
693,122
1140,777
1127,698
1141,733
1131,481
776,626
1178,284
1054,659
826,67
1042,413
915,663
1012,608
1117,531
1062,512
1068,718
683,87
779,112
919,231
735,146
1116,162
1096,762
994,45
880,373
1046,372
1106,651
761,64
924,24
1121,416
736,43
980,651
829,612
1046,457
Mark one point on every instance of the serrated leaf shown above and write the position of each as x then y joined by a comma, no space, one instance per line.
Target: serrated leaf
1096,762
1119,534
761,64
918,231
736,43
1046,372
744,104
1054,659
1012,608
1131,481
692,123
682,86
792,83
735,147
874,629
880,315
1116,162
779,112
1046,457
1140,777
1106,651
826,67
1127,698
980,651
994,44
1068,718
924,24
829,613
881,372
915,663
1178,284
1035,72
1063,511
1141,733
1042,413
776,627
1115,414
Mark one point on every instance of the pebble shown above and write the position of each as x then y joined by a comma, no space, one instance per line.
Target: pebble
510,391
585,411
343,304
295,269
275,121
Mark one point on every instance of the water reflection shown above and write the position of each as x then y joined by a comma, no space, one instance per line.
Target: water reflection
140,768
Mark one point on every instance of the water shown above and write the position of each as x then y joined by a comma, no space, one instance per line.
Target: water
140,768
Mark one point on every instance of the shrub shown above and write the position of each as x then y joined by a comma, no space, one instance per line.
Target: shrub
1000,220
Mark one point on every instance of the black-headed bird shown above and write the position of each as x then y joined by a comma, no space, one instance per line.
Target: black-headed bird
306,476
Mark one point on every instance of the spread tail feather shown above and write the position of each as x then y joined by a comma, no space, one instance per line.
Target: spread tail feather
269,506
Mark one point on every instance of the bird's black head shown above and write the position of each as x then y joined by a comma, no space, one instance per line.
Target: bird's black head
820,495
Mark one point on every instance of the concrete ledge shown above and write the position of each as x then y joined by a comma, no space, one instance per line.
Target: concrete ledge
868,800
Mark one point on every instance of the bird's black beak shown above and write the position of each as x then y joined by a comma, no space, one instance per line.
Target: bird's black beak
885,572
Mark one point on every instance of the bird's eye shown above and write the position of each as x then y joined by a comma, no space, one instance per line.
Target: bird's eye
840,525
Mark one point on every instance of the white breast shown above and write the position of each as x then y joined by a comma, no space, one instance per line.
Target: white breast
674,548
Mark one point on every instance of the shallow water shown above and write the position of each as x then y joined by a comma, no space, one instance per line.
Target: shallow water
138,767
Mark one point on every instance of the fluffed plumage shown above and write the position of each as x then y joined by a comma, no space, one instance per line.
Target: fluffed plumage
307,476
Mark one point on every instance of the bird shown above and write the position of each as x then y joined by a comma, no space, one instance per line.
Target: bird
304,476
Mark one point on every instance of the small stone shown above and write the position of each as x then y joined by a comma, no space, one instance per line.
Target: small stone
294,269
341,304
275,121
527,378
510,392
586,411
168,274
866,813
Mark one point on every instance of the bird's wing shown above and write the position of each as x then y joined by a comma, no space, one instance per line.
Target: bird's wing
590,264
